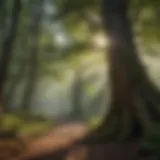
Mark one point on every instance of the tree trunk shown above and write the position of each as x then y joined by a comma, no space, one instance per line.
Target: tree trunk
3,22
33,60
77,111
135,99
9,96
7,48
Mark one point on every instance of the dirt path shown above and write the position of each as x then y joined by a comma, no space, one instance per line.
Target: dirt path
60,138
58,145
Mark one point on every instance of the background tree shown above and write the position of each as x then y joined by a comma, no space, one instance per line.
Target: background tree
35,28
8,46
77,110
19,60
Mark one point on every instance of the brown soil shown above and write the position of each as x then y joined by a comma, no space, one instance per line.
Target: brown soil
58,144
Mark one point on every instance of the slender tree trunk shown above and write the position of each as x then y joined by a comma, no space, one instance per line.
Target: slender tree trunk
9,96
21,73
135,99
2,21
77,111
33,60
7,48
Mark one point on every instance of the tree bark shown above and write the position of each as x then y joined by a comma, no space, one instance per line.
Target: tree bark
135,99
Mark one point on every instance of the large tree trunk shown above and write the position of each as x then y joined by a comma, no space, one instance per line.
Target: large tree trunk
135,99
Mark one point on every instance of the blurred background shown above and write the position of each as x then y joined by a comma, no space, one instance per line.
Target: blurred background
57,64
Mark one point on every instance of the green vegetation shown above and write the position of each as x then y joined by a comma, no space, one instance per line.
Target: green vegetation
35,125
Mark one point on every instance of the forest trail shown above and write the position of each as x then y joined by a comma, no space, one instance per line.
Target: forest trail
58,145
59,138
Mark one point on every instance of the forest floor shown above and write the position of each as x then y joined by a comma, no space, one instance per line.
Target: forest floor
54,139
